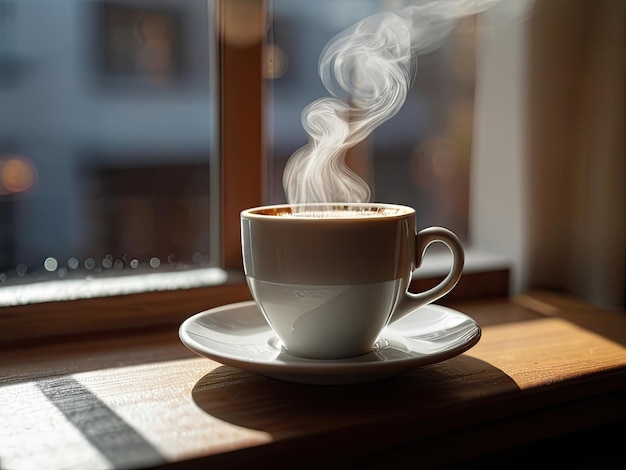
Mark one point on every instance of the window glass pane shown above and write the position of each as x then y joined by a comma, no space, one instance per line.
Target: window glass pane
107,138
419,157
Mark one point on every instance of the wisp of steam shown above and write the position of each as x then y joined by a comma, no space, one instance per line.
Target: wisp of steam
368,69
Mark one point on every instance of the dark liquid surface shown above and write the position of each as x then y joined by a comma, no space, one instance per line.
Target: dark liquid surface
338,213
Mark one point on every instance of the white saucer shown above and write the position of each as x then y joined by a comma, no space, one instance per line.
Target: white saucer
238,335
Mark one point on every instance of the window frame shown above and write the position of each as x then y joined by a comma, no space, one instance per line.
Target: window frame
241,88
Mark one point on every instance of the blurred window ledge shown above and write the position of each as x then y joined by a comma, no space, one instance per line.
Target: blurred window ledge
101,287
59,310
434,265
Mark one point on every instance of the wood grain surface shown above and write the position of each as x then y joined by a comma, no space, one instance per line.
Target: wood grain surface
542,367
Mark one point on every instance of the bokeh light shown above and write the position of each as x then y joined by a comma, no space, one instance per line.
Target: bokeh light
277,62
89,264
107,262
17,174
50,264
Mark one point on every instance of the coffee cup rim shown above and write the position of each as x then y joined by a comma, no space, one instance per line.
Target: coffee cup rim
269,211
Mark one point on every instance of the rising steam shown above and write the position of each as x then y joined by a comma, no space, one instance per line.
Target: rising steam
368,69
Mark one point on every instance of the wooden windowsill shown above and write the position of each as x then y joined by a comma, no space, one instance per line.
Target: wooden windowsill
546,366
64,308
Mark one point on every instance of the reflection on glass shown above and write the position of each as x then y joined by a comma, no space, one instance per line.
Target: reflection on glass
421,156
107,138
141,41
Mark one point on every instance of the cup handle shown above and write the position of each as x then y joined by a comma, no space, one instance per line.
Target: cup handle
412,301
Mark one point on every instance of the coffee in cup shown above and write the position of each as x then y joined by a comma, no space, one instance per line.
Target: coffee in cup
329,278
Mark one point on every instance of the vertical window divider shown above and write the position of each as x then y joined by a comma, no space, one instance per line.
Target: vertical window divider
241,111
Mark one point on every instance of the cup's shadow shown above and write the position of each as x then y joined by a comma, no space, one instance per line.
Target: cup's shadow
281,408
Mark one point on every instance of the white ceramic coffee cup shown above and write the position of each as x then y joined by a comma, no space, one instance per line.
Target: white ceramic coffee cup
329,278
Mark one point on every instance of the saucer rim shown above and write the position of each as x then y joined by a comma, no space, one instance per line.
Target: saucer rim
327,367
